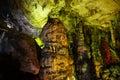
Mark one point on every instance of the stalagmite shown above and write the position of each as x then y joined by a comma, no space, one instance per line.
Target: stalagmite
56,63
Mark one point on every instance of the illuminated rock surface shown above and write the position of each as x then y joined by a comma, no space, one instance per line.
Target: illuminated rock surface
56,62
98,19
96,12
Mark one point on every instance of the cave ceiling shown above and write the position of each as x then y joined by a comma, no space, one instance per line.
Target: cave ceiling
97,13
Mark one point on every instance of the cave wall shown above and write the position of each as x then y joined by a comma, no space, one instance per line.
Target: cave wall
92,30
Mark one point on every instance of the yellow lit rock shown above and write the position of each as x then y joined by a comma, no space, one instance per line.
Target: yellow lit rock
96,12
39,42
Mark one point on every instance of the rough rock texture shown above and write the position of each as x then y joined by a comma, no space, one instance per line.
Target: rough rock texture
100,31
84,65
96,12
25,51
56,62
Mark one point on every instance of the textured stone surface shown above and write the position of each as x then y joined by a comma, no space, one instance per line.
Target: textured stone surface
96,12
24,51
56,63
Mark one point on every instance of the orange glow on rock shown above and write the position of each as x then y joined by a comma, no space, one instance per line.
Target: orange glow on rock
107,58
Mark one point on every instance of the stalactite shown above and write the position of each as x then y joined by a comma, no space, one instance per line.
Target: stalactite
83,63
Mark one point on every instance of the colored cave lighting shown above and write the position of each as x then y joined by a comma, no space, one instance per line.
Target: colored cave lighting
39,42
